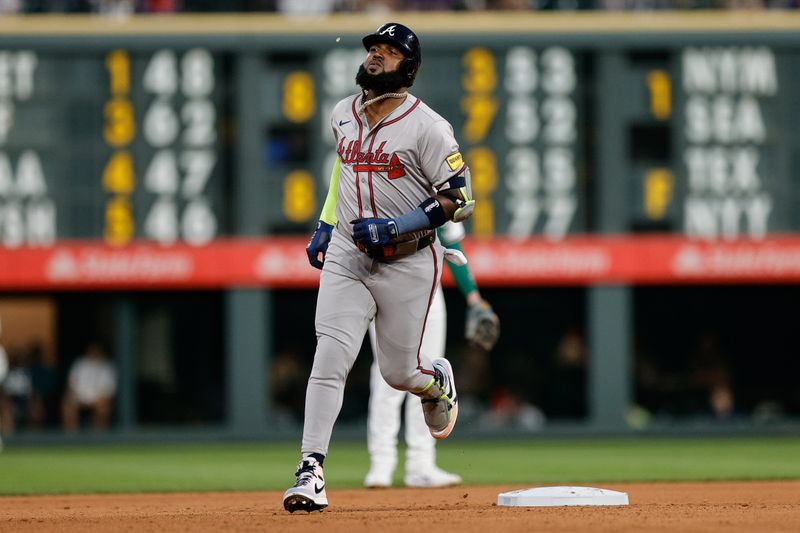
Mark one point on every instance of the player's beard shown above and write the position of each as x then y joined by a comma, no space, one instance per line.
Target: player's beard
388,82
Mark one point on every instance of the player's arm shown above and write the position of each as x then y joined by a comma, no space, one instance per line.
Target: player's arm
327,220
447,205
328,214
442,163
450,235
463,278
482,324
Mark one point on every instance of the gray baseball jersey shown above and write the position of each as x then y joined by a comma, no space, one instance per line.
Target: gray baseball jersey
386,171
390,169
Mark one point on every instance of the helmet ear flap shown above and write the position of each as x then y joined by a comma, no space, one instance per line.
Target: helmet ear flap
409,68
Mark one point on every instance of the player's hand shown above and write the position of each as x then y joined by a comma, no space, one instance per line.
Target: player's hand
319,244
374,231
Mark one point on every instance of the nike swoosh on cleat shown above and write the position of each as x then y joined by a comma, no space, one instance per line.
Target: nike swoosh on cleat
343,122
319,489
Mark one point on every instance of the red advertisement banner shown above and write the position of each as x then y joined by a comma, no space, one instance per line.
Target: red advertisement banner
502,262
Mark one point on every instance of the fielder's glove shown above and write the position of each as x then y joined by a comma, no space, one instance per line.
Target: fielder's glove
374,231
483,326
319,244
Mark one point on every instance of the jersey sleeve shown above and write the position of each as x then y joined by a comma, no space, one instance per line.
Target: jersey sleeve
338,111
439,155
328,214
333,128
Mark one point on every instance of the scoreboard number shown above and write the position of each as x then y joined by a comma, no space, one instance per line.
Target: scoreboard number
182,129
541,126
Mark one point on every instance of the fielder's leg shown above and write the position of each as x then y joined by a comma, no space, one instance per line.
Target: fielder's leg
383,426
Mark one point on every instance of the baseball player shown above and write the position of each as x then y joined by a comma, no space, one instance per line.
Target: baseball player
386,403
398,176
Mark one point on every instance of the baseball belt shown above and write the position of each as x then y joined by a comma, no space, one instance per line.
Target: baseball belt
398,249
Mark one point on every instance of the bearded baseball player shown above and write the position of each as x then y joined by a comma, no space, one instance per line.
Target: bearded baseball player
399,175
386,403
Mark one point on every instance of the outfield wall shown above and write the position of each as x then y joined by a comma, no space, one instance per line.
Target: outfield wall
636,224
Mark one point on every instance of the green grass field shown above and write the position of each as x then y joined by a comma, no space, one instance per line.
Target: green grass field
269,466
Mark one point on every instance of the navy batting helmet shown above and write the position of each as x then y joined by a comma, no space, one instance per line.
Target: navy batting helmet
403,38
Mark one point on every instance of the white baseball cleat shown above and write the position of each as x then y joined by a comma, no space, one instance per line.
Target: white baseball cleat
308,493
441,413
431,478
378,478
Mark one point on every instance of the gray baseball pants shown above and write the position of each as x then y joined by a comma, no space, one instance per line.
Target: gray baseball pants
353,289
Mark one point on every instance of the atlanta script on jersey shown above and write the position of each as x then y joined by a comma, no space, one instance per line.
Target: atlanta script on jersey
389,169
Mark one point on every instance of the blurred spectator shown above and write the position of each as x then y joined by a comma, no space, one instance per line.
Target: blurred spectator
3,373
159,6
44,379
91,386
650,383
660,380
57,6
474,374
507,5
116,8
709,377
741,4
288,379
10,7
636,5
510,410
431,5
16,392
565,395
230,6
378,7
501,391
309,7
324,7
699,383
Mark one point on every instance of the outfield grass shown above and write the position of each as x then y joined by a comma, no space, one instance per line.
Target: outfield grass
207,467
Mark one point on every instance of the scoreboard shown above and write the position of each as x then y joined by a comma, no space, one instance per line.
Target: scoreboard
123,144
115,145
735,145
726,169
125,134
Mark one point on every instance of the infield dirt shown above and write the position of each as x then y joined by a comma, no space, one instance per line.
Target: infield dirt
708,507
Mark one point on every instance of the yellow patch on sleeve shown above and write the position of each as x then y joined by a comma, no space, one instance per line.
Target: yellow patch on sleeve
455,161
